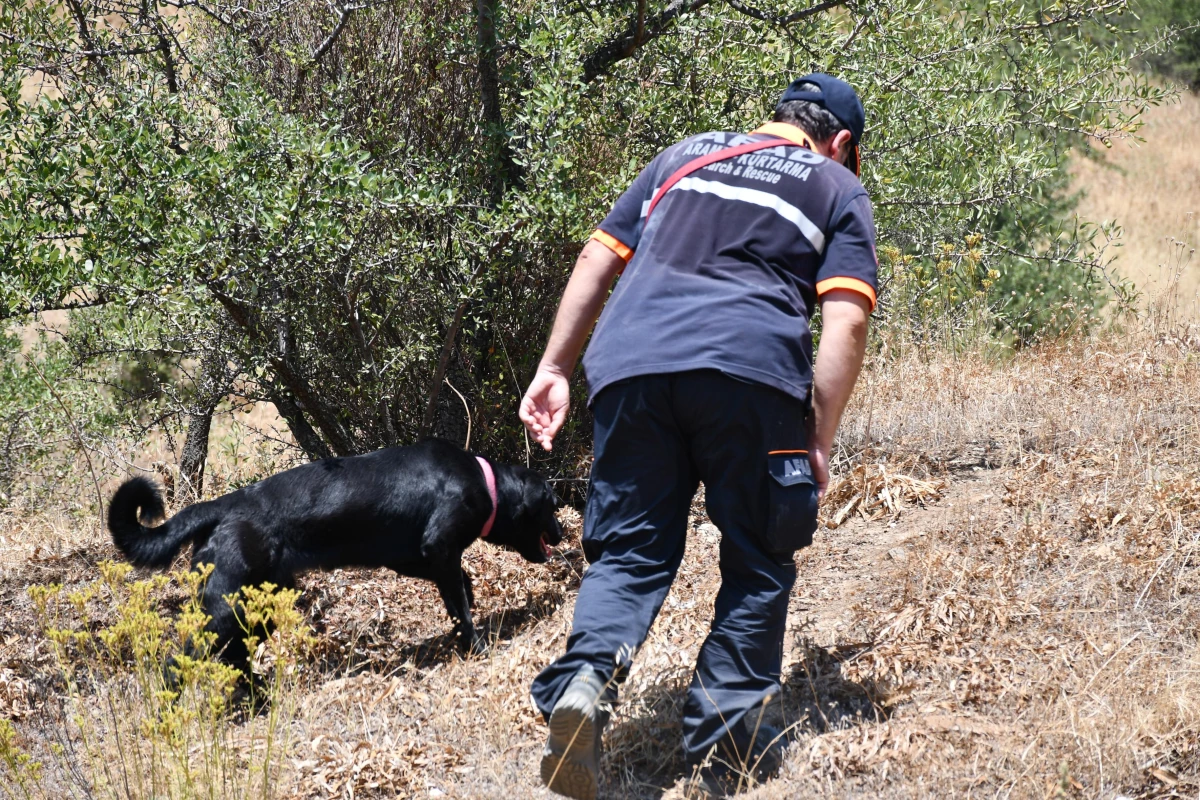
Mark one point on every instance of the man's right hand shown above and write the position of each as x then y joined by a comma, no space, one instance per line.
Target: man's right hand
545,404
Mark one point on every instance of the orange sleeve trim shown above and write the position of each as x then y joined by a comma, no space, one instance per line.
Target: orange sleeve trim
613,244
853,284
785,452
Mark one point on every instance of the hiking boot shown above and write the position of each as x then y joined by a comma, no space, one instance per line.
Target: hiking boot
761,758
737,765
571,760
704,784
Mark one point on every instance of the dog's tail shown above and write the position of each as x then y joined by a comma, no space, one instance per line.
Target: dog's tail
137,501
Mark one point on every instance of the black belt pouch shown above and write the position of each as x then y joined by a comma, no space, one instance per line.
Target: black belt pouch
792,517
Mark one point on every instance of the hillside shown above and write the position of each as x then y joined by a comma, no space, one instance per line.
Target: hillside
1004,600
358,218
1151,189
1009,607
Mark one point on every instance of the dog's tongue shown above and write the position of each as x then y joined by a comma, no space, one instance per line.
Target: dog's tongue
546,548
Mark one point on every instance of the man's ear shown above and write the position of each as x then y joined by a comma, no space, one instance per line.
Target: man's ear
840,146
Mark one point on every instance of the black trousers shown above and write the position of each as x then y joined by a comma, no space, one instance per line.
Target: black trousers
656,438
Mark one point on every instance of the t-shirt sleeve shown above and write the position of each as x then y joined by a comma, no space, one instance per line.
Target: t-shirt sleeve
850,261
622,228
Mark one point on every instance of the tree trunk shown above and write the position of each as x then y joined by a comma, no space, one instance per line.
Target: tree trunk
505,170
308,439
211,386
195,454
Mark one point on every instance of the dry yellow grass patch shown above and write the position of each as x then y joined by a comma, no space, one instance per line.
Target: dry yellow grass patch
1152,190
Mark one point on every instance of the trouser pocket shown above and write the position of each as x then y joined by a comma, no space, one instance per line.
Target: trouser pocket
792,516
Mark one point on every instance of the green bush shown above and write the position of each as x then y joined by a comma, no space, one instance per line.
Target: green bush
50,423
1180,57
358,208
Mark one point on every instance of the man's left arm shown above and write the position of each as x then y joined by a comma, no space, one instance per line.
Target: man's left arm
844,315
546,402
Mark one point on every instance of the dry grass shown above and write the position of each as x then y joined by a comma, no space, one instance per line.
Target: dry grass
1003,603
1038,638
1008,608
1152,190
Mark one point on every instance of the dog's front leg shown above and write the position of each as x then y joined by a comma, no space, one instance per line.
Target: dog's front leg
454,594
443,556
469,588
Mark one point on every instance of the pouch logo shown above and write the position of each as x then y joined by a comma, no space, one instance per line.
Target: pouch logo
792,468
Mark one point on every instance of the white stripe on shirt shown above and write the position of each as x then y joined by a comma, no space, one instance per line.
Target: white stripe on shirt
765,199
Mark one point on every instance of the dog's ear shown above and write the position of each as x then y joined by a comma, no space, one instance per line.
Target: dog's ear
531,496
535,494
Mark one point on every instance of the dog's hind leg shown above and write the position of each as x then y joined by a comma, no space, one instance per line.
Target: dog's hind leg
234,565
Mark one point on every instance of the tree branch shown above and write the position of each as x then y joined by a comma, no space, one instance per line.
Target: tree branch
60,305
85,34
304,401
439,374
308,439
344,13
785,19
164,47
350,303
641,30
323,48
638,32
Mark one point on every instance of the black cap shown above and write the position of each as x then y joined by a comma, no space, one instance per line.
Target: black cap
839,99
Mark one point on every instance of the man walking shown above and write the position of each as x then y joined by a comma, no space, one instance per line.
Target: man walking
700,369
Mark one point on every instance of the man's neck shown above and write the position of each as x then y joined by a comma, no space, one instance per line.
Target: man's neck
793,133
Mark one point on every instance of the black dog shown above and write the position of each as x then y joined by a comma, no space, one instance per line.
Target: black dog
411,509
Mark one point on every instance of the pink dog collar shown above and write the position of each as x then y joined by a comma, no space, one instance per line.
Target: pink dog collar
490,477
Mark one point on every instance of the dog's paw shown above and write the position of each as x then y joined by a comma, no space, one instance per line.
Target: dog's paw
474,646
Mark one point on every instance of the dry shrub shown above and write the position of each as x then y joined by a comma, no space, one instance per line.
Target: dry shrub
874,491
1045,640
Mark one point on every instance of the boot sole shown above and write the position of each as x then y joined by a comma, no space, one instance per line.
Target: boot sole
569,764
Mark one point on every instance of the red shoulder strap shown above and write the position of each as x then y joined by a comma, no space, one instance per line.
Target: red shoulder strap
710,158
